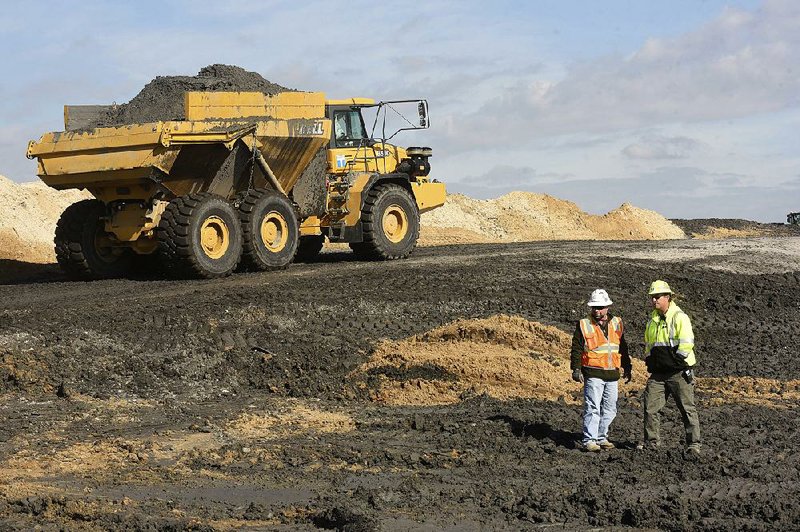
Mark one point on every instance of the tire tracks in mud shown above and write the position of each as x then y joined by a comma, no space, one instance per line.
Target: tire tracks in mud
202,351
311,314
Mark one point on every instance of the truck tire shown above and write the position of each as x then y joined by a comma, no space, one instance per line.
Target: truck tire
82,246
309,247
390,222
270,229
199,236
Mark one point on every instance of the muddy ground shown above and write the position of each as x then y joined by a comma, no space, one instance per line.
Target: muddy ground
712,227
233,404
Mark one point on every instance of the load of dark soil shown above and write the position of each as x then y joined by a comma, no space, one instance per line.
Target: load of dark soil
162,98
731,227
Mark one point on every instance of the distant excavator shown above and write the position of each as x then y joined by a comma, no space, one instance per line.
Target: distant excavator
793,218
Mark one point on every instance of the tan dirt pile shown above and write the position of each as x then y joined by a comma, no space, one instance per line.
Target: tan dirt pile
719,233
751,390
525,217
506,357
30,212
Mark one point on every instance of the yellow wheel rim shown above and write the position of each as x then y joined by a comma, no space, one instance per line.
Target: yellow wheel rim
274,231
395,223
215,237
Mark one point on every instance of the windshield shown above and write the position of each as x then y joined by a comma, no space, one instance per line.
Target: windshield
348,129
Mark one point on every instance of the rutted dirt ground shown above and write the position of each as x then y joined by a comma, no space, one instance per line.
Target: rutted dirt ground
430,392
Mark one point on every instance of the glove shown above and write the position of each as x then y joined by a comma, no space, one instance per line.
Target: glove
688,375
577,376
627,376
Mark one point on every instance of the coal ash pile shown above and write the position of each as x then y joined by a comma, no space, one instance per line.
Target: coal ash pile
163,98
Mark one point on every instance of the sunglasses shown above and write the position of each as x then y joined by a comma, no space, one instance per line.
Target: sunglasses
658,296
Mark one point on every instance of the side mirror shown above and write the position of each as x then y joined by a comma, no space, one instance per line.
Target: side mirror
423,113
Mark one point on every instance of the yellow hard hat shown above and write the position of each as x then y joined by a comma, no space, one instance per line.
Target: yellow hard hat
659,287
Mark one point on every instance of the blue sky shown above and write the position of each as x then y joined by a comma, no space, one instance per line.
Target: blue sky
690,108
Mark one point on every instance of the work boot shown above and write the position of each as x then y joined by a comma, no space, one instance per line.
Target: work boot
647,445
693,451
606,445
591,447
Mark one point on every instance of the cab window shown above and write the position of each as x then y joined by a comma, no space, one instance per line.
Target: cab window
348,129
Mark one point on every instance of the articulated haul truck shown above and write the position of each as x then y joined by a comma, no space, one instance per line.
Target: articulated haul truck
246,180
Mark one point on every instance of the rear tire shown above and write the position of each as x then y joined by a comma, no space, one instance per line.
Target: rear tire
309,247
270,229
199,236
84,249
390,222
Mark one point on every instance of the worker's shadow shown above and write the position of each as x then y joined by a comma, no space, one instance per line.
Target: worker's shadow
540,431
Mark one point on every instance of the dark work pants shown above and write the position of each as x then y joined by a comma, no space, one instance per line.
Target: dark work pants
659,386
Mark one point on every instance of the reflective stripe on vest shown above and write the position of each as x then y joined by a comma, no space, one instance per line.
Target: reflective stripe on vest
599,351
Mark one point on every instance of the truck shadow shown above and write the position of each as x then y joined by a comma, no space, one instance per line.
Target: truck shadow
20,272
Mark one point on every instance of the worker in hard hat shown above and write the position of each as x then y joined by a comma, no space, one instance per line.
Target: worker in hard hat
669,355
599,351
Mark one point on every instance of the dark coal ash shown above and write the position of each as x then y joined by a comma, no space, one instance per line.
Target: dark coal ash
702,226
191,355
163,98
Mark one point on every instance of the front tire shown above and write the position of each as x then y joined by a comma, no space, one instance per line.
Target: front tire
270,228
390,222
200,236
83,248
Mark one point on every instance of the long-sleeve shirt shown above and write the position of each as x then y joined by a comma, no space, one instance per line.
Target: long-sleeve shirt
578,346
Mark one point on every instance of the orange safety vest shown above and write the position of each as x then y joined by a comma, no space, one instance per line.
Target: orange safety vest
601,352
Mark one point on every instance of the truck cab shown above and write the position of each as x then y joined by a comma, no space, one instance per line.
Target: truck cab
376,190
352,148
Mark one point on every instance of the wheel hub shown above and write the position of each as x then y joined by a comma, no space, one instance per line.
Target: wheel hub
395,223
274,231
104,248
215,237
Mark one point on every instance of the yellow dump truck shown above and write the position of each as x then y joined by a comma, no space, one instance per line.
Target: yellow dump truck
245,180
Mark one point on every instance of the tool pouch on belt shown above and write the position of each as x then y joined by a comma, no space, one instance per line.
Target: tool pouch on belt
680,362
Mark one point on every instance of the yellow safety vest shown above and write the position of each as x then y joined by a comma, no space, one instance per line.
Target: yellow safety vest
669,340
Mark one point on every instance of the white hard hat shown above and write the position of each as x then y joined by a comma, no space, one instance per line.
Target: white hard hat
599,298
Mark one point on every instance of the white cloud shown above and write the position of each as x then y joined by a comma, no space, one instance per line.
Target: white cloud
506,178
740,64
660,147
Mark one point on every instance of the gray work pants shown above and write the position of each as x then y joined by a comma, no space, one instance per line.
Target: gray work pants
659,387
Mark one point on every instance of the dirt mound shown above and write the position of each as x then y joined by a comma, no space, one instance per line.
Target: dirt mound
751,390
30,212
525,216
719,228
505,357
162,98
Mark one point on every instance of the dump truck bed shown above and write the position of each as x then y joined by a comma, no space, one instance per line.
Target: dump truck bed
186,155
